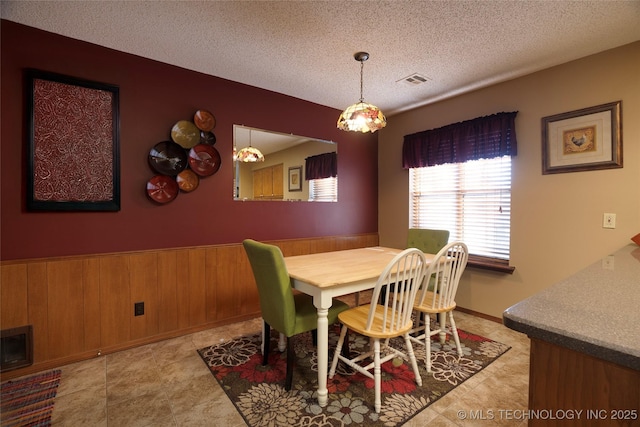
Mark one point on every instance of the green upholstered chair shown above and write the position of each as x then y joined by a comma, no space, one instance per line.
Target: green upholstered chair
286,312
428,241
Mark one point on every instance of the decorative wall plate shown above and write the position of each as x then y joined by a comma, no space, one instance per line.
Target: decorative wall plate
185,133
204,120
204,159
207,138
167,158
162,188
187,180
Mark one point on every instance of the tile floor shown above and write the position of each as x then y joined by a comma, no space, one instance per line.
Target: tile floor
168,384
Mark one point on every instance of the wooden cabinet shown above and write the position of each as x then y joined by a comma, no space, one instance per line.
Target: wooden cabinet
593,391
268,183
278,182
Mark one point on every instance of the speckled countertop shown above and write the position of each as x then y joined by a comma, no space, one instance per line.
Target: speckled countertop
596,311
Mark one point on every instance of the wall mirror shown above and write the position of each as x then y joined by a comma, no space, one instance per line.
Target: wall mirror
281,176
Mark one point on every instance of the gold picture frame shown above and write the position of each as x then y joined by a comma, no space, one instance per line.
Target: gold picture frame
583,140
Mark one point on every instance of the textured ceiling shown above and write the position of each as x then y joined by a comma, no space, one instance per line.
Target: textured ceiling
305,48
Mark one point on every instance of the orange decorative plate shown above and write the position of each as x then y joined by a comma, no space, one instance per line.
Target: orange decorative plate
187,180
204,120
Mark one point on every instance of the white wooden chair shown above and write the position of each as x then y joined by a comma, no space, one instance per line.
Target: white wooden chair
388,318
444,274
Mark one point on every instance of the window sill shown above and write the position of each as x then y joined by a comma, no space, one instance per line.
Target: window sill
492,264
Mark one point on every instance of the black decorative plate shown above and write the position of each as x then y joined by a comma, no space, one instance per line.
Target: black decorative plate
207,138
167,158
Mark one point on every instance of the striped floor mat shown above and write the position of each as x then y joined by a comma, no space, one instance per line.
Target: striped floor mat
29,401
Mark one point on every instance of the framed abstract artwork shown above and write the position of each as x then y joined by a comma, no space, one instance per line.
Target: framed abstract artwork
583,140
73,144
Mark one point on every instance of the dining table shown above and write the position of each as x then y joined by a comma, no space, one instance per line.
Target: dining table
327,275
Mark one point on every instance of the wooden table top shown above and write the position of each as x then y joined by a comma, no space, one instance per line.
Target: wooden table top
328,269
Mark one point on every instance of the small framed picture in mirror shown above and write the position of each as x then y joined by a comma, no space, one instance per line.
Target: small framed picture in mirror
295,178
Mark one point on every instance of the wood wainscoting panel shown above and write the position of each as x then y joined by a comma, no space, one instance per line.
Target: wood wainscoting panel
13,296
249,297
65,307
143,279
115,312
293,247
38,311
82,306
182,288
167,291
91,292
197,287
211,260
225,286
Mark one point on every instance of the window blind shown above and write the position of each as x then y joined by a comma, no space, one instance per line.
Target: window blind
323,190
472,200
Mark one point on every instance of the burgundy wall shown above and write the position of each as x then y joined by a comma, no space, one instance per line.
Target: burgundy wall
153,96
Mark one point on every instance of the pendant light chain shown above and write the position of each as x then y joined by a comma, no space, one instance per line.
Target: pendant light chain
361,79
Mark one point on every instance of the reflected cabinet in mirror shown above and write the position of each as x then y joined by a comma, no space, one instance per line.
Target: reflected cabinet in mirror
294,168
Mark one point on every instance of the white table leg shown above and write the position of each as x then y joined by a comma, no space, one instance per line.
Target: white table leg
323,355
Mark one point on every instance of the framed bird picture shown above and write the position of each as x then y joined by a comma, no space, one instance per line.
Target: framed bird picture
583,140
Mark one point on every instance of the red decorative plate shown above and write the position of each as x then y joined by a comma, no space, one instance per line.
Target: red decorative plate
204,159
187,180
162,188
204,120
185,133
167,158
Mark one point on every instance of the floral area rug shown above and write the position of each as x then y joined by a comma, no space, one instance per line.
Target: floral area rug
258,391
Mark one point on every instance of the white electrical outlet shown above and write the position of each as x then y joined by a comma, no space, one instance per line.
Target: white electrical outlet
609,220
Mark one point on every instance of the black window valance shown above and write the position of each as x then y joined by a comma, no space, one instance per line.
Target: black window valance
321,166
480,138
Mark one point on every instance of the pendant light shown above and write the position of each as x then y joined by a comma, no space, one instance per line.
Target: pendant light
249,154
361,117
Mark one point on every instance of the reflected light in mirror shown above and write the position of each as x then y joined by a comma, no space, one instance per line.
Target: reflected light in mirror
249,155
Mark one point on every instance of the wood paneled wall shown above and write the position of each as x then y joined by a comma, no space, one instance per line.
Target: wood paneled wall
81,307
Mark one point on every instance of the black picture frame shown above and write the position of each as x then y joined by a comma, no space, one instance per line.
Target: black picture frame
73,149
